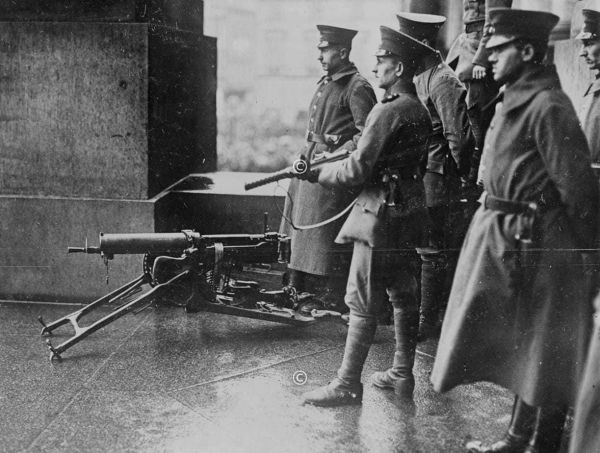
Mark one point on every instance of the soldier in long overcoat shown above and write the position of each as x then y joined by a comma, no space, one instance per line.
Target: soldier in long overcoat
519,314
585,435
337,115
449,157
590,52
385,224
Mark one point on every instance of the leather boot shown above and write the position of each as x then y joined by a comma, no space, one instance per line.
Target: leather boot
519,432
313,284
296,279
335,290
433,278
400,377
346,388
548,430
336,393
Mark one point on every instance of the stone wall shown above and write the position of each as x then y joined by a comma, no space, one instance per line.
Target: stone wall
103,104
104,99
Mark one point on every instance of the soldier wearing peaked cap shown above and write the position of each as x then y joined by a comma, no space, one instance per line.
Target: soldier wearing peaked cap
469,56
590,52
519,314
585,435
337,115
451,149
385,225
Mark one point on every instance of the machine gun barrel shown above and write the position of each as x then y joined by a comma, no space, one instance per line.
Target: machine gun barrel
169,243
298,168
154,243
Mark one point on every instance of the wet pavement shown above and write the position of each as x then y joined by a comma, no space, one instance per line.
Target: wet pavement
167,381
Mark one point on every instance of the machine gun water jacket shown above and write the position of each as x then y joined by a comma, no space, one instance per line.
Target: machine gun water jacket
519,313
337,115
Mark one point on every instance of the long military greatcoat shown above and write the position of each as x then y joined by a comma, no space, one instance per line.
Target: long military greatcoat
525,327
585,435
337,114
590,117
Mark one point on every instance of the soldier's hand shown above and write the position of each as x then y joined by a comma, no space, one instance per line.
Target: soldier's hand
310,176
469,180
479,72
465,184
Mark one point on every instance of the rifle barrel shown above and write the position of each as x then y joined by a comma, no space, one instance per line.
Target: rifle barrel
299,167
283,174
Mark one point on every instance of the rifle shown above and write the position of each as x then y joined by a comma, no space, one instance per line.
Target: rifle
298,168
193,269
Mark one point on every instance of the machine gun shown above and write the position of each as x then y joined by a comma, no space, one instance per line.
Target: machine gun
298,168
190,270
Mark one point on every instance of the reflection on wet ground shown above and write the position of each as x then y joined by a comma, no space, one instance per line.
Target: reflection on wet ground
167,381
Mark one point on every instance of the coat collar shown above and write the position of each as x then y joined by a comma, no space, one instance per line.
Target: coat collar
429,61
401,86
532,82
345,71
593,88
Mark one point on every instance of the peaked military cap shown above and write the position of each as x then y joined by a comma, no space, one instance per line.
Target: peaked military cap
591,20
422,27
335,35
508,25
393,42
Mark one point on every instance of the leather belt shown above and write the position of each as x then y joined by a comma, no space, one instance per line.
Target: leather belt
327,139
474,26
507,206
404,173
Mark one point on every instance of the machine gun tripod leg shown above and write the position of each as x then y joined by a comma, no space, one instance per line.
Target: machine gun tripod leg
82,332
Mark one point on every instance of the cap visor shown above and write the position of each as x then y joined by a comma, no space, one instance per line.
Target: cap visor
585,35
382,53
499,40
322,45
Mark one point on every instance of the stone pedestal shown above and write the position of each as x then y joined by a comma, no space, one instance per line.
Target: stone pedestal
102,106
116,108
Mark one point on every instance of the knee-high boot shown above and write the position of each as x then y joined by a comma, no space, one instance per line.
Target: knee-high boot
433,278
519,432
400,377
548,430
347,388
